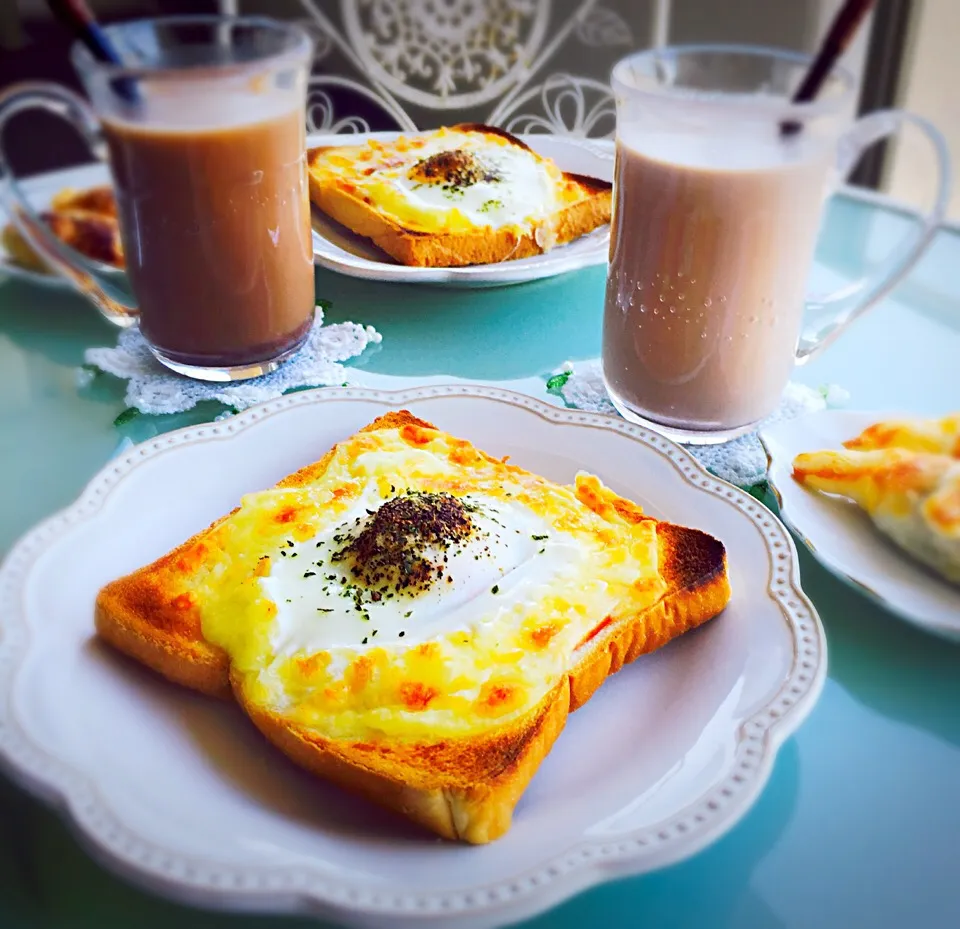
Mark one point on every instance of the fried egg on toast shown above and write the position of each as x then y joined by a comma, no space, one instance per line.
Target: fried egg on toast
465,195
414,619
906,476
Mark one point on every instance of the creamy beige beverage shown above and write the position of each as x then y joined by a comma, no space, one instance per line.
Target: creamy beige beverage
711,246
215,221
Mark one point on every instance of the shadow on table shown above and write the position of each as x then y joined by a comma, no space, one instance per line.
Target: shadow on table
52,881
47,880
710,889
241,756
493,333
898,669
54,322
484,333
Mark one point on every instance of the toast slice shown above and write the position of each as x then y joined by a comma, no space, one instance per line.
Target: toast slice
465,195
461,783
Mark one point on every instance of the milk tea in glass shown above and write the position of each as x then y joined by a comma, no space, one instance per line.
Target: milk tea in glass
204,131
716,215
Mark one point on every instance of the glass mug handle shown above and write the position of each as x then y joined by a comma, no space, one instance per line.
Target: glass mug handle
846,304
75,110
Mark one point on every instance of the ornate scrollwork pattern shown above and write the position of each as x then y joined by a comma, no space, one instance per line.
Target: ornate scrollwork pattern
446,54
321,118
571,105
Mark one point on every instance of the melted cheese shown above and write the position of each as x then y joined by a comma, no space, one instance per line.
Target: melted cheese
519,188
542,568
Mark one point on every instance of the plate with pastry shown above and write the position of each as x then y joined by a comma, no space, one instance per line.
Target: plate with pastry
79,207
387,655
468,204
876,498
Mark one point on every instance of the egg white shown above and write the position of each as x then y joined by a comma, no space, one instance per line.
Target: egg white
512,557
525,191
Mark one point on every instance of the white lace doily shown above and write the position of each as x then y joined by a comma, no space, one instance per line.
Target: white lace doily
152,388
742,461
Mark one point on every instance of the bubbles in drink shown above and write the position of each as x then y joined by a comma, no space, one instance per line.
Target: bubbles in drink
740,219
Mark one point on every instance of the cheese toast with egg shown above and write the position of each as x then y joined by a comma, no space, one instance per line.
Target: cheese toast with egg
413,619
470,194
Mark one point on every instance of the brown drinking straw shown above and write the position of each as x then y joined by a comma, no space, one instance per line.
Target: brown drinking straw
841,32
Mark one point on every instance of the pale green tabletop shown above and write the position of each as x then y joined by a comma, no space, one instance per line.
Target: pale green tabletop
859,825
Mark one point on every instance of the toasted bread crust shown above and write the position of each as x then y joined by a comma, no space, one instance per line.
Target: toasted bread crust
467,789
135,616
460,788
480,246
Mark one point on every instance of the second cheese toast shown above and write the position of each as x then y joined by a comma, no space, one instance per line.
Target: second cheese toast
465,195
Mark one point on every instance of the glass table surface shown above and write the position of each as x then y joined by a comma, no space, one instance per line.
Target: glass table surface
859,824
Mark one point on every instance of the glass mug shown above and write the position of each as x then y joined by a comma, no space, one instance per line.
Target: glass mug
715,221
205,132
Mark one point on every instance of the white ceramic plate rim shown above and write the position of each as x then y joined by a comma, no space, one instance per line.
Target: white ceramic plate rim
585,863
855,566
589,251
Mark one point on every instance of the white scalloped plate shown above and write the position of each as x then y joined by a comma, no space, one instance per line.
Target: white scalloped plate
337,248
181,794
842,537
